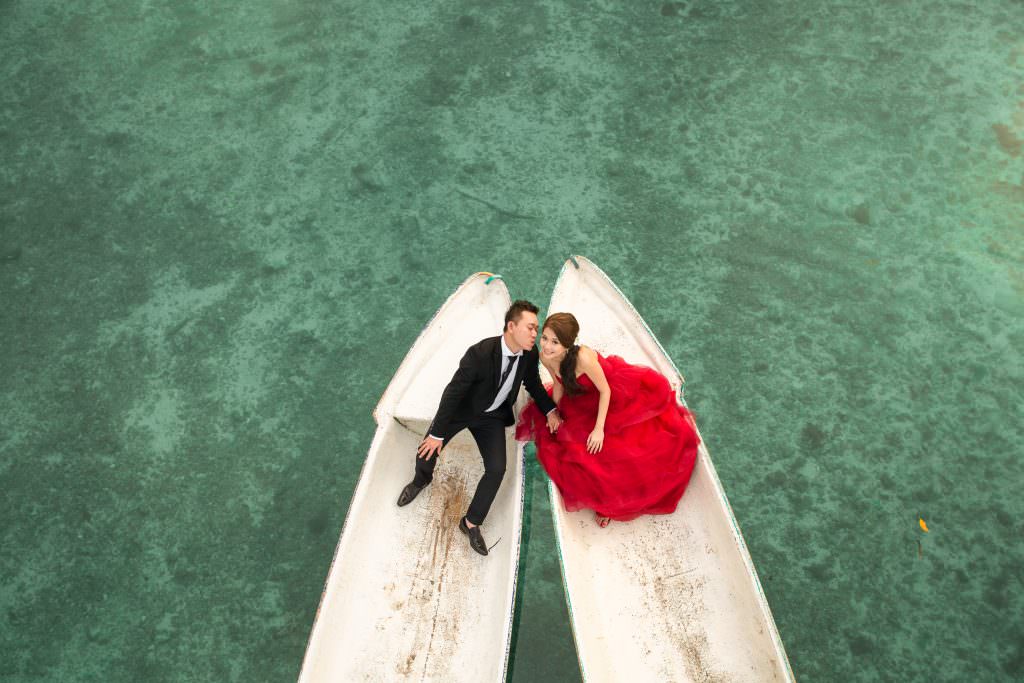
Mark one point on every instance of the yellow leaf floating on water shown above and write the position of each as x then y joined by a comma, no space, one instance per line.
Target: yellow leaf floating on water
924,527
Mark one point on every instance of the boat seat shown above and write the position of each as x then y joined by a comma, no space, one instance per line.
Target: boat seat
419,425
411,416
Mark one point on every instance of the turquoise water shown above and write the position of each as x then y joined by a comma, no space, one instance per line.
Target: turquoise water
223,224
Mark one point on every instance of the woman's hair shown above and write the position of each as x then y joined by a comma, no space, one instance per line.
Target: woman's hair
566,328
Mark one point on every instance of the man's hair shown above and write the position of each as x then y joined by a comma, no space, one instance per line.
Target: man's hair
516,310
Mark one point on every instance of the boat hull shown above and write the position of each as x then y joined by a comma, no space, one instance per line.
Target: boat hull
663,597
406,598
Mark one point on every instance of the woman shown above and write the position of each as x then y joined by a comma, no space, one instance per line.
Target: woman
626,448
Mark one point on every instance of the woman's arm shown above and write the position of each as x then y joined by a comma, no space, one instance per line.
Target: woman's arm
588,363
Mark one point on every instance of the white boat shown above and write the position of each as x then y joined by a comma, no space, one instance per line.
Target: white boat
666,597
406,598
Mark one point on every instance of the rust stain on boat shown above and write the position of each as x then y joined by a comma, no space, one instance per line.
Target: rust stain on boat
673,590
673,576
429,606
405,668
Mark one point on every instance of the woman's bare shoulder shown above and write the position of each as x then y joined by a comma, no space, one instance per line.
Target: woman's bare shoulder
587,355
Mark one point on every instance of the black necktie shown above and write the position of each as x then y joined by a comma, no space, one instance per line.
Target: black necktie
508,369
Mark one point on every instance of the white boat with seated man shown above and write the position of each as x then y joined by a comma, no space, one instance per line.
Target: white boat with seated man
663,597
406,598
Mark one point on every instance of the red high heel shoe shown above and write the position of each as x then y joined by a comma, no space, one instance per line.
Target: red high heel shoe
602,521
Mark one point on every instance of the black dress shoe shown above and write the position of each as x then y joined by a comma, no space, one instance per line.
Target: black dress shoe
409,493
476,539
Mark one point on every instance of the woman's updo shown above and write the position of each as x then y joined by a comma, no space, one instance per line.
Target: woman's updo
566,329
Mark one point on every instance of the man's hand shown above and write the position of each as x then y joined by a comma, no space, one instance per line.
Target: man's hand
429,447
554,421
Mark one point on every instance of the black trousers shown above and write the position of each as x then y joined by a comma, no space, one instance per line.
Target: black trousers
488,430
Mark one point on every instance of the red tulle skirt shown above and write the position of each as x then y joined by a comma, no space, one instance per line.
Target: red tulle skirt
650,444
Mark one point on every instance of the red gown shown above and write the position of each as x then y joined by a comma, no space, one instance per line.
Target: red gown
650,444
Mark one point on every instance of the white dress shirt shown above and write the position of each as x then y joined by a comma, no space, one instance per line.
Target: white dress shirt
506,357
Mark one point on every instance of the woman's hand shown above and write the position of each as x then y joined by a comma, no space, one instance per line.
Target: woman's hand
595,441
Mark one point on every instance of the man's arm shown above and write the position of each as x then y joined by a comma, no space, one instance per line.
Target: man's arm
531,380
453,394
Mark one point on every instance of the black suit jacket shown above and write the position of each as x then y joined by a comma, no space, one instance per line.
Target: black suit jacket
475,384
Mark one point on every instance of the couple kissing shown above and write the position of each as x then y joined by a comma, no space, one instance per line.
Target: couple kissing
610,434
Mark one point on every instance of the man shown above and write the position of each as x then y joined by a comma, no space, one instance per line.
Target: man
479,398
